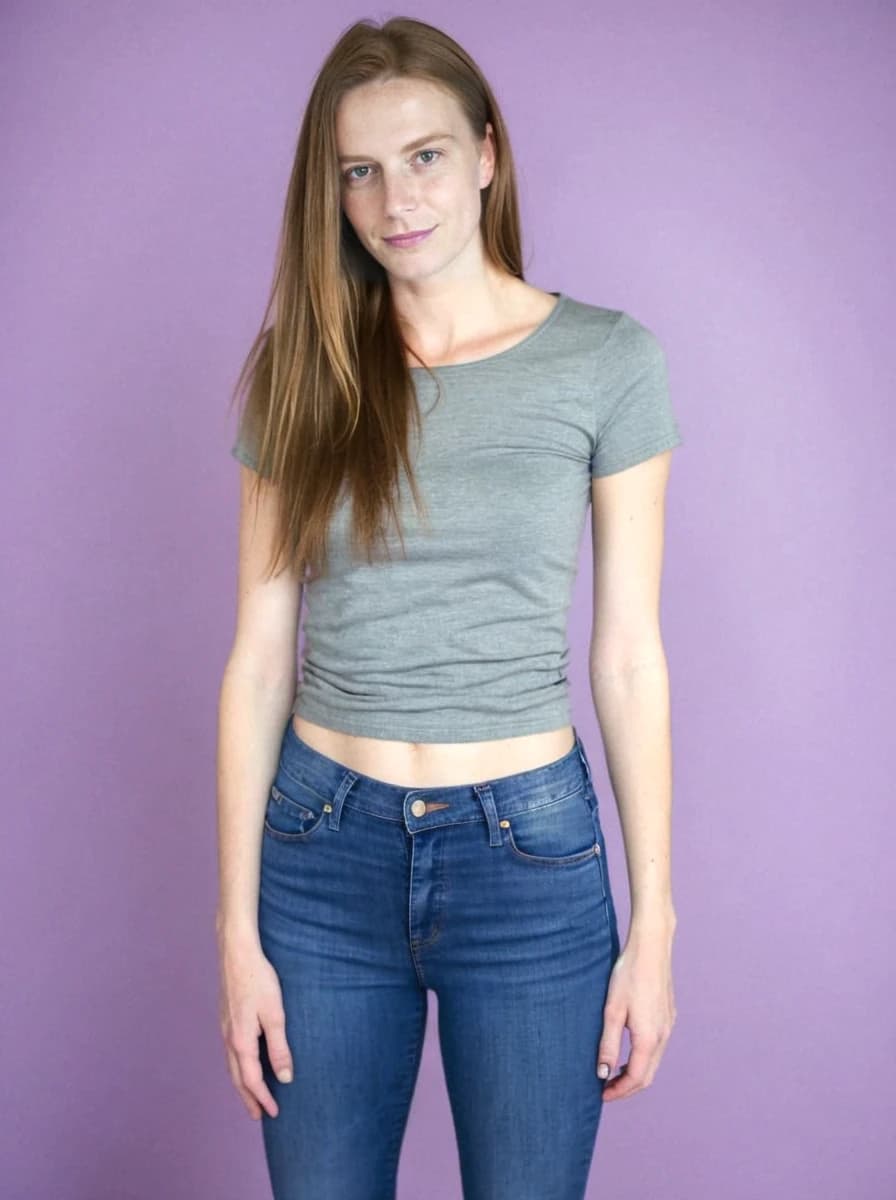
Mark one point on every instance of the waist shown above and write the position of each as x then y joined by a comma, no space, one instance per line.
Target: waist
436,764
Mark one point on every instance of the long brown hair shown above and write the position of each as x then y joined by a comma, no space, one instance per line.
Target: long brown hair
330,395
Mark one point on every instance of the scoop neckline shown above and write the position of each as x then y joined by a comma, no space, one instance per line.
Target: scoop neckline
490,358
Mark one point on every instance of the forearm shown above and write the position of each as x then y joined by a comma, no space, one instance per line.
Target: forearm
632,706
252,715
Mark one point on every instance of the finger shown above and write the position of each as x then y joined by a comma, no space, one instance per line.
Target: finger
251,1104
253,1080
274,1028
618,1087
632,1077
610,1047
662,1041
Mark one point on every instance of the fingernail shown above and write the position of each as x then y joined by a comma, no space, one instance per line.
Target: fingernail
603,1070
285,1075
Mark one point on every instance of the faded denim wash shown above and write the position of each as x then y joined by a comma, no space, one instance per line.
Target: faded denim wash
493,894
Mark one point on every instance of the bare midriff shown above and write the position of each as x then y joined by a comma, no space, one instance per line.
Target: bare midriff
436,764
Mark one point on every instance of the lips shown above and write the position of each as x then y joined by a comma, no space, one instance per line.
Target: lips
408,239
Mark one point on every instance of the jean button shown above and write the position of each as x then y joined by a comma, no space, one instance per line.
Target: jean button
418,808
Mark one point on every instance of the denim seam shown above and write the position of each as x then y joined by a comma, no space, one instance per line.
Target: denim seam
281,796
293,837
604,883
579,788
541,860
302,783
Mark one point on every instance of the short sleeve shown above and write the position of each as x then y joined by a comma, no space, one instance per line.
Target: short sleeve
244,449
242,453
635,415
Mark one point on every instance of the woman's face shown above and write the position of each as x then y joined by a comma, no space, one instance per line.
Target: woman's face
408,162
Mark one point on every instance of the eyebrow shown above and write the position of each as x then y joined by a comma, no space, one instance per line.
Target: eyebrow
430,137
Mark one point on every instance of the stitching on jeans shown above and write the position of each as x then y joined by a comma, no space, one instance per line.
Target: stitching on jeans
560,861
303,783
604,884
289,803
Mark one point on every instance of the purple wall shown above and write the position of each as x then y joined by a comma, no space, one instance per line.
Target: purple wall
725,173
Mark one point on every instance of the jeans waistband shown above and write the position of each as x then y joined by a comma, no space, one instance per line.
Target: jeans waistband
438,805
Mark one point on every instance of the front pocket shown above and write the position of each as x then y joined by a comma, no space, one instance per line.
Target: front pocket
556,834
290,818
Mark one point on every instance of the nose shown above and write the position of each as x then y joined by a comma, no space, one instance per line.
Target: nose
399,195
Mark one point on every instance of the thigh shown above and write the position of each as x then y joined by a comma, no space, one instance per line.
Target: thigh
331,919
521,980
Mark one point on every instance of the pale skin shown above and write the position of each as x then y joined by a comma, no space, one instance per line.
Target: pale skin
454,307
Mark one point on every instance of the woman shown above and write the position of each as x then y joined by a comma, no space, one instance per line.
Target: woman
418,812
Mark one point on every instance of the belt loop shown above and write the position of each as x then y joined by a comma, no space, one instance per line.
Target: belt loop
582,755
348,780
487,800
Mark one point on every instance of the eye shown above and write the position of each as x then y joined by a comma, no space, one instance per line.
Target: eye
350,177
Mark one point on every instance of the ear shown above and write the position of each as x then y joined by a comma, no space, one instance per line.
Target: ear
487,157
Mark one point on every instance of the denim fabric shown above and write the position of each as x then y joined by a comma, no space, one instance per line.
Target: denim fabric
493,894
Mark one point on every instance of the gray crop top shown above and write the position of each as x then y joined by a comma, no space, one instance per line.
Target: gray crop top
465,638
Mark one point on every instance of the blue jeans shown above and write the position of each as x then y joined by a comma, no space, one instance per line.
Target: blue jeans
493,894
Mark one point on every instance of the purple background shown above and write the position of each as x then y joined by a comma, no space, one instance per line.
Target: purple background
725,173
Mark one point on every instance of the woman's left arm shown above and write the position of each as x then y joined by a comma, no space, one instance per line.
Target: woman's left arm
630,687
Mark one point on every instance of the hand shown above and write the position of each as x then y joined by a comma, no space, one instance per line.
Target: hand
252,1004
641,997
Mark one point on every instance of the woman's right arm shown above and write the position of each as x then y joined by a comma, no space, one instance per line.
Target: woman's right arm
257,693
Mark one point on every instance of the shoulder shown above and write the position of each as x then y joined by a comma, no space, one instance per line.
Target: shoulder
614,334
594,320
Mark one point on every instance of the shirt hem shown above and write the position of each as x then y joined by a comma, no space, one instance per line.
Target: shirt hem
398,728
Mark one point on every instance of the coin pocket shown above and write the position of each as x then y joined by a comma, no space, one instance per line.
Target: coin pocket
293,816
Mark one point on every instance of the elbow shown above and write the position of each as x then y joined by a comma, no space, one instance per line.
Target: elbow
266,672
625,658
